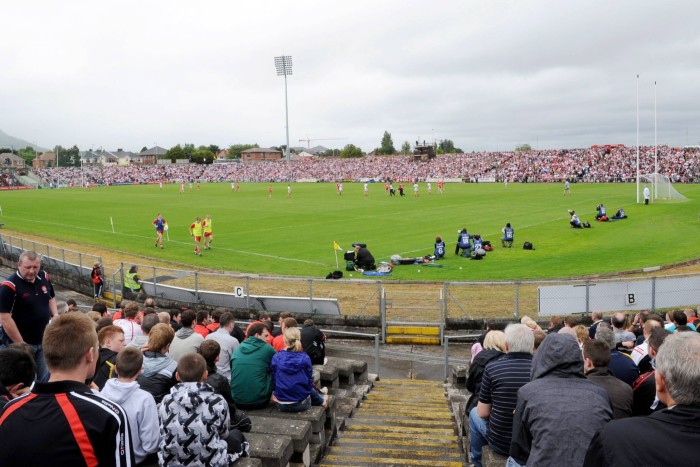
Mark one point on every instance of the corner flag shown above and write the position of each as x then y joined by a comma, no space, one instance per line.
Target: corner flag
336,246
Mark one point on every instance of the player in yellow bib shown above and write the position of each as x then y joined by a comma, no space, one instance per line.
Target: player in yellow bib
196,232
208,232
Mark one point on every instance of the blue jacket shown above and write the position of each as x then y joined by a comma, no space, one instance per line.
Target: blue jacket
292,375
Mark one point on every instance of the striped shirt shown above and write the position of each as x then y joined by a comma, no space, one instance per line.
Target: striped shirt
499,387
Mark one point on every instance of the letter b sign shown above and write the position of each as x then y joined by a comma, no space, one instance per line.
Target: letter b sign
629,299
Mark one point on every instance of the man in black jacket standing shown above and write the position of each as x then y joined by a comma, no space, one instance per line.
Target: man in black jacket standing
663,437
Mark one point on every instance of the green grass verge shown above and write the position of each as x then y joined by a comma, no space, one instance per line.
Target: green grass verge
258,234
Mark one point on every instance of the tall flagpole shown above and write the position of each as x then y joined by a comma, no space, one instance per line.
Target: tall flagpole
637,139
656,152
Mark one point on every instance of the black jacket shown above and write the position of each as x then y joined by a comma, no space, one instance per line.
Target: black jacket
476,372
313,341
666,437
105,367
620,393
221,386
364,259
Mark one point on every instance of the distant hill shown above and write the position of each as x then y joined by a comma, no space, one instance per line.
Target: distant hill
7,141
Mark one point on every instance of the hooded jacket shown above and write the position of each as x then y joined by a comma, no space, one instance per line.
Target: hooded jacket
292,375
194,427
559,411
158,374
185,341
251,383
140,408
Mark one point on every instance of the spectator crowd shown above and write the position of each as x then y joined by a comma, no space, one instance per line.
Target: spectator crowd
596,165
146,385
141,385
622,392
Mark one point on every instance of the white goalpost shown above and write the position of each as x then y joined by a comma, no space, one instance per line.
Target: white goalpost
661,188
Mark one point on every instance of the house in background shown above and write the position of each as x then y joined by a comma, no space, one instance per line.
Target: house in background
47,159
261,154
150,156
9,160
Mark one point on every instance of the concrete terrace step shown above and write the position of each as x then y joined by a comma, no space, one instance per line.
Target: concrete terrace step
403,339
414,330
400,422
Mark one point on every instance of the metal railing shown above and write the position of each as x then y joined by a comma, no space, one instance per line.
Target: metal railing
446,346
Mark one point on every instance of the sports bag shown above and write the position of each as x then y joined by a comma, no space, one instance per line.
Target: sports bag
528,246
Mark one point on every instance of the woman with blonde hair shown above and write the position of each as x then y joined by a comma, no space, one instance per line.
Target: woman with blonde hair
292,376
494,348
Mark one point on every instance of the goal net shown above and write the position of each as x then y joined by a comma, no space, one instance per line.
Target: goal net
660,187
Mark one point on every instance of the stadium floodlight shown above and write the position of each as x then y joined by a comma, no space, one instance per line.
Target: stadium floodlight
283,64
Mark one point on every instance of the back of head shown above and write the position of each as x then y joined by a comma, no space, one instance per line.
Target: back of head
555,320
17,366
216,315
164,317
61,307
309,322
160,336
618,320
570,321
187,318
100,307
209,349
292,339
284,315
495,340
191,368
605,334
202,316
149,302
149,310
256,329
225,318
289,323
131,310
598,352
539,338
678,363
596,315
67,340
679,318
129,362
657,337
149,321
519,338
558,354
581,332
103,322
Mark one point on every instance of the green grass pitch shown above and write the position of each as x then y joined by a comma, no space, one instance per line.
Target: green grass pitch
254,233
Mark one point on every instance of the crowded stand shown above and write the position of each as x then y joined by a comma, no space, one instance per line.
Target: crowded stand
147,386
591,165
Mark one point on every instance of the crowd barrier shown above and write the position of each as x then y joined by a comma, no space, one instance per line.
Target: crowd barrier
450,305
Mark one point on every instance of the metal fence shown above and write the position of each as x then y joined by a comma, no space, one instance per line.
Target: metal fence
54,259
391,300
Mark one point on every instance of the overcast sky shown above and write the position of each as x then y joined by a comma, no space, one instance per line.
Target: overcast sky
487,75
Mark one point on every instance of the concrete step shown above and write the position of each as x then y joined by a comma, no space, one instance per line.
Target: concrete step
414,330
401,422
412,339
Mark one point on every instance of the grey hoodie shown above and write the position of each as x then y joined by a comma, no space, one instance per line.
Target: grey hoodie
559,411
140,408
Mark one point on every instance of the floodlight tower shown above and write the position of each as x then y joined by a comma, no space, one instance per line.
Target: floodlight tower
283,64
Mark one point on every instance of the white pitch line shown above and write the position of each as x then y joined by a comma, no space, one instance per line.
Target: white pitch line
263,255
